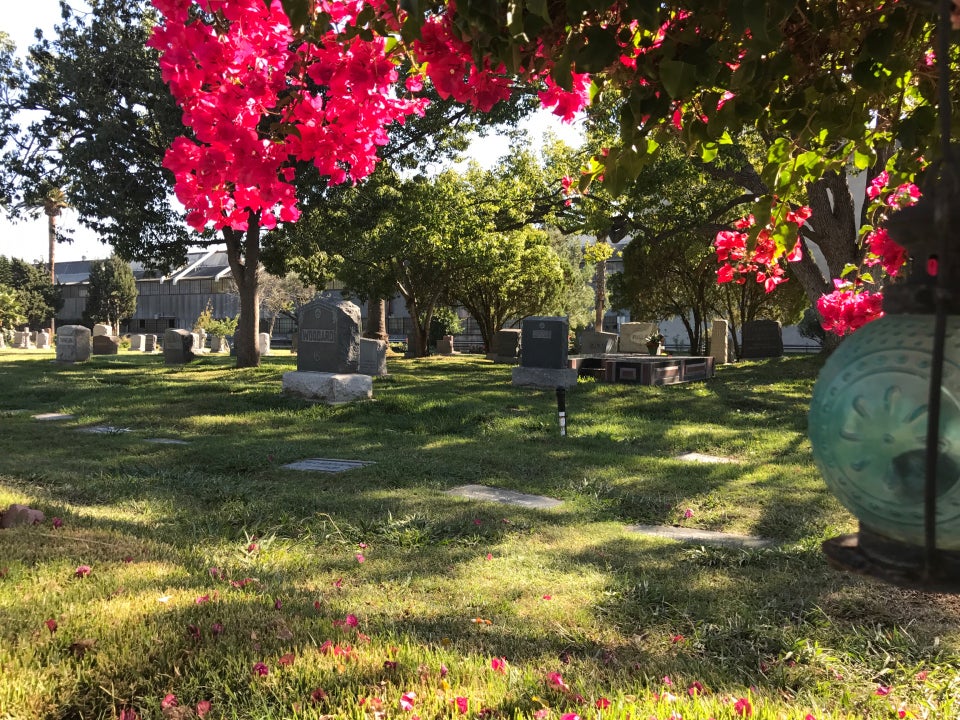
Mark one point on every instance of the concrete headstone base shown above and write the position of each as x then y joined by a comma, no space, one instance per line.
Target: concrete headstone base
331,388
544,377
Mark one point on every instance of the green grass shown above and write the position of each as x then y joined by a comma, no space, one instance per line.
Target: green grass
446,582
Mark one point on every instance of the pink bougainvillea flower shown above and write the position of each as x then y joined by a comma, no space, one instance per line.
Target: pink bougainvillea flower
489,556
569,716
799,216
555,680
128,714
921,676
443,670
414,83
602,703
261,669
216,628
252,547
743,708
677,639
169,700
362,545
287,659
338,583
203,707
57,523
407,700
499,664
882,690
667,681
541,714
82,571
696,688
202,599
318,695
360,558
548,597
462,704
351,621
809,716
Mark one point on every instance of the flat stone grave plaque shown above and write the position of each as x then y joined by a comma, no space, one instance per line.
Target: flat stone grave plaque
167,441
701,458
53,416
544,342
103,430
702,537
327,465
506,497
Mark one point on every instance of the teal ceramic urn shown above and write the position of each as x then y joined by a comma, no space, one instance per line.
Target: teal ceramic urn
871,408
868,428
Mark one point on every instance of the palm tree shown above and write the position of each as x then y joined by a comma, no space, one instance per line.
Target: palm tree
54,202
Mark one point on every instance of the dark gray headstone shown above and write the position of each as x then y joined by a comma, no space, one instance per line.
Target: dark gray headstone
761,339
329,337
544,342
73,343
506,345
149,343
373,357
593,343
106,345
177,347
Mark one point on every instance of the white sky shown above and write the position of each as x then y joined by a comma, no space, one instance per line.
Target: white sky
28,239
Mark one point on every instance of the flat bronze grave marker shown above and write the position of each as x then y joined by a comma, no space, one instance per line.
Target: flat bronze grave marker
327,465
52,416
507,497
702,537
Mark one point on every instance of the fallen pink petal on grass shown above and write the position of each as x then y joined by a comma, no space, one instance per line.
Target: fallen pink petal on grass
277,604
57,523
82,571
602,703
743,708
360,558
882,690
569,716
51,625
696,688
547,597
499,664
287,659
261,669
407,700
318,695
463,704
169,700
541,714
555,680
203,707
202,599
128,714
216,628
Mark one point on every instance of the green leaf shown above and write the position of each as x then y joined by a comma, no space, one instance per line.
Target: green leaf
678,77
848,268
708,151
539,8
864,160
297,10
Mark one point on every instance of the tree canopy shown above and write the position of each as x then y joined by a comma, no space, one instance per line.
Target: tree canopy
112,292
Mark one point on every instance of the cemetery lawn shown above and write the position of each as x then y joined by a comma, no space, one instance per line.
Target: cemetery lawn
205,579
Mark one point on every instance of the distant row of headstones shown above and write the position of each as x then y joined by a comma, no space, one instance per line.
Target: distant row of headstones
759,339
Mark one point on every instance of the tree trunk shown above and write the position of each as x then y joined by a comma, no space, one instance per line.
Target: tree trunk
243,253
600,299
377,320
52,241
